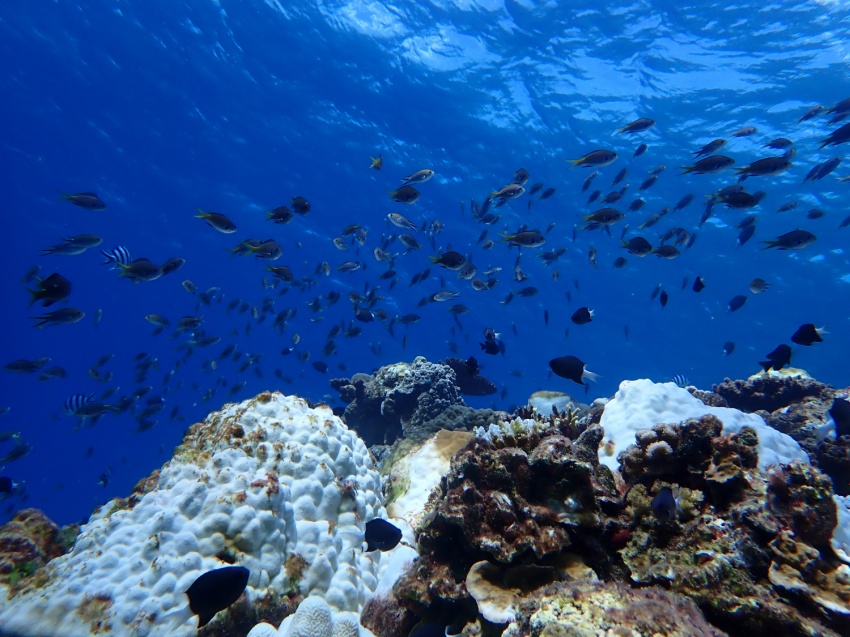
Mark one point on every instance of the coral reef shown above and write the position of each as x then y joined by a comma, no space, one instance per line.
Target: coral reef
520,498
269,484
641,404
660,512
797,406
589,609
545,402
764,392
414,469
314,618
833,458
752,550
752,541
469,378
27,542
410,400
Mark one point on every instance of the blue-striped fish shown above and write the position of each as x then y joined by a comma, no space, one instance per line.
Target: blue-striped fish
117,257
681,380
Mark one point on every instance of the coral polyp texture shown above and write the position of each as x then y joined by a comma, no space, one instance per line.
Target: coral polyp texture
269,484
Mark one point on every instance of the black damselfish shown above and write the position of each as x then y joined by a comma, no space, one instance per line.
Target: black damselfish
571,368
216,590
807,334
699,285
582,316
840,412
381,535
664,505
778,358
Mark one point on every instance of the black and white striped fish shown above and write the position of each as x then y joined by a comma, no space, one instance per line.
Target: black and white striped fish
116,257
681,380
77,402
84,407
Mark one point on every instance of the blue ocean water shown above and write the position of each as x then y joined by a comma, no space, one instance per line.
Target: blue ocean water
165,107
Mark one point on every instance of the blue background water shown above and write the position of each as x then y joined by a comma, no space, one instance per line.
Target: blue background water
165,107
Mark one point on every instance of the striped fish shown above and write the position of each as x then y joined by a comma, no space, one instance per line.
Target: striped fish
681,380
76,403
84,407
117,257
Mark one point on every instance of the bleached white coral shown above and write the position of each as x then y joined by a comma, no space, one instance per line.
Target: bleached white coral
314,618
495,432
261,483
642,404
841,535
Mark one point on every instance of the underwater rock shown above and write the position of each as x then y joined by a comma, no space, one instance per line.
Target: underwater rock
769,392
833,458
407,399
469,378
591,609
269,484
27,542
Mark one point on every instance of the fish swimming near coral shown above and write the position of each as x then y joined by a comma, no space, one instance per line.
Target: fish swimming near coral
840,414
210,593
572,368
680,380
777,359
381,535
807,334
664,505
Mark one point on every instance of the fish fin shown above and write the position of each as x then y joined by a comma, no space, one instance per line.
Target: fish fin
203,214
589,376
575,162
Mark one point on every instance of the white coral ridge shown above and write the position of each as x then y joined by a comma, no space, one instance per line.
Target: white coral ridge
497,431
642,404
265,483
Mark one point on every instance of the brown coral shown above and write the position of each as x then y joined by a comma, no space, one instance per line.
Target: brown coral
769,392
521,499
27,542
587,609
